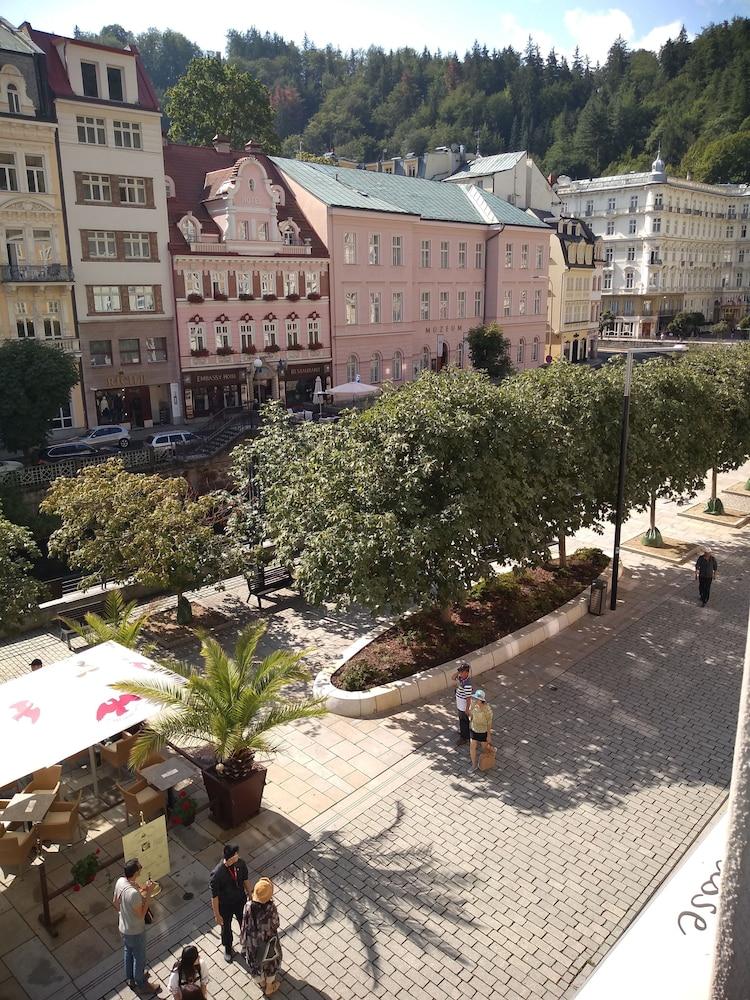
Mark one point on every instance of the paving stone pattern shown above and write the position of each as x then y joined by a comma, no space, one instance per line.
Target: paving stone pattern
514,883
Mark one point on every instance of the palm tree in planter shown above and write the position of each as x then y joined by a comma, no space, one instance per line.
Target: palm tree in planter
224,714
118,623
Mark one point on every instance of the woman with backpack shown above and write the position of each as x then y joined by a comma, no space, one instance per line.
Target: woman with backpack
188,981
260,937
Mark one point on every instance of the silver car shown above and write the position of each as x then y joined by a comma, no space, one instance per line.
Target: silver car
107,434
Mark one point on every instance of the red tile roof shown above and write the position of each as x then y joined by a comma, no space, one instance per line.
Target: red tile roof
57,75
197,172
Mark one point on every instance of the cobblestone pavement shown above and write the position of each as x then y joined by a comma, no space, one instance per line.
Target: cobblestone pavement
442,883
420,878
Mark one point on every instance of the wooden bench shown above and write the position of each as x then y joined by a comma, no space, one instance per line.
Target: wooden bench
77,614
267,579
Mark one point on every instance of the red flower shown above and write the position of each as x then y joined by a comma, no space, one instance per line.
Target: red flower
76,888
183,793
98,850
177,820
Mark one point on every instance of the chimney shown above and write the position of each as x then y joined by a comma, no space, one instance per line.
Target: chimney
253,147
221,143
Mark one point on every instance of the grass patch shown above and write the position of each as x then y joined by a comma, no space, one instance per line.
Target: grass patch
493,608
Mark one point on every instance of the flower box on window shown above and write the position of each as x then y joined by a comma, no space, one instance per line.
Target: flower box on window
313,296
195,297
272,349
315,346
199,352
269,297
296,347
223,351
220,296
250,349
293,297
245,297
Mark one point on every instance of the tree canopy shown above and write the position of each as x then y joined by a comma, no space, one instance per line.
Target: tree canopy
404,504
216,97
490,350
128,527
19,591
35,381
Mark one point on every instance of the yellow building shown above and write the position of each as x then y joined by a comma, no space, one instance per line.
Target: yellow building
575,292
36,279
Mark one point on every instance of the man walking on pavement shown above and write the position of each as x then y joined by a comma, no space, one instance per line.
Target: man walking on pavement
462,679
131,901
706,569
230,890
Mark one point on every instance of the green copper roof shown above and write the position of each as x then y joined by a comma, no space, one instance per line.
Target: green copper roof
381,192
483,166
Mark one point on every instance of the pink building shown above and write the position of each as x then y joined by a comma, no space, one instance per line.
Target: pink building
415,264
250,281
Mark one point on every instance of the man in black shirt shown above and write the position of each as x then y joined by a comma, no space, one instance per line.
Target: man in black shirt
230,889
706,568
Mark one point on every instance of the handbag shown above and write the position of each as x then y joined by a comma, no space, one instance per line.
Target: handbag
192,990
487,757
148,917
268,951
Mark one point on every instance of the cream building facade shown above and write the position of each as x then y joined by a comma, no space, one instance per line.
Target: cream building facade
670,244
575,280
36,298
115,199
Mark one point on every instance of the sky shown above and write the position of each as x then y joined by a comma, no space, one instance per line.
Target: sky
437,24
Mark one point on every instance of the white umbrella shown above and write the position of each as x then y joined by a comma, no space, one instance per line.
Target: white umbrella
353,389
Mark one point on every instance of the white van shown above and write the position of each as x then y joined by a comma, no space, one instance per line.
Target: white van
169,440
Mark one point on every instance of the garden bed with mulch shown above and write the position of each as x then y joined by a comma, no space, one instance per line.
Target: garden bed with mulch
493,608
163,629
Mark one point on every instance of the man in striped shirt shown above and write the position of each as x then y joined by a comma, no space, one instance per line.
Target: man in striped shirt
462,679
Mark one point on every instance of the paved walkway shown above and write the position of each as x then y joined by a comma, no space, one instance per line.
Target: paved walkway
408,875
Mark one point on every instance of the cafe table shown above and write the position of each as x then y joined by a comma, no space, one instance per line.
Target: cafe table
32,807
168,773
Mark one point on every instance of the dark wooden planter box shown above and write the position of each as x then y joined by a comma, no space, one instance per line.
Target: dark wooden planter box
234,802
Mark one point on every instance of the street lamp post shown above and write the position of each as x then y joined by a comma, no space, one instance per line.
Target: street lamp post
624,426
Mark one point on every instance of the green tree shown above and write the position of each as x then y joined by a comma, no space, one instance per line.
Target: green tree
125,527
215,97
725,371
230,706
720,329
404,504
117,624
166,55
723,161
35,381
670,446
19,591
490,350
573,418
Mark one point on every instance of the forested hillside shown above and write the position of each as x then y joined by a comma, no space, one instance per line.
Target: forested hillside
693,98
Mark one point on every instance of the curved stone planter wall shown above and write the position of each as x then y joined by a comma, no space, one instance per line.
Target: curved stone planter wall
359,704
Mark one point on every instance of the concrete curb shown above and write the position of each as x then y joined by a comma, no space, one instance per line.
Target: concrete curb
361,704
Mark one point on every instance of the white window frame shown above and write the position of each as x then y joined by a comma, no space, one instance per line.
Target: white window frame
478,297
222,334
246,330
376,368
36,177
445,250
508,302
479,256
8,172
270,333
525,256
350,308
352,368
443,304
267,282
101,244
537,301
461,303
397,251
193,282
350,248
132,190
291,329
313,330
139,241
462,252
398,366
312,282
425,253
539,257
107,299
127,135
397,307
373,248
141,298
197,336
375,310
424,304
291,283
91,131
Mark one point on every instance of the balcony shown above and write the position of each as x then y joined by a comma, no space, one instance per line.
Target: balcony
241,360
42,273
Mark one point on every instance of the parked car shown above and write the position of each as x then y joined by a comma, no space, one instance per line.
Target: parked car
6,467
168,441
71,449
107,434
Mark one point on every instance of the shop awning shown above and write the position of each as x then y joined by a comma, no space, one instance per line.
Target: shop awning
353,389
67,707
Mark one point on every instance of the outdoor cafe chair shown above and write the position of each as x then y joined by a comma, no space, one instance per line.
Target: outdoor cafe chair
46,779
61,824
140,797
15,848
117,754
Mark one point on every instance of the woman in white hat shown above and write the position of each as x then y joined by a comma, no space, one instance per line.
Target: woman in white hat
260,937
480,721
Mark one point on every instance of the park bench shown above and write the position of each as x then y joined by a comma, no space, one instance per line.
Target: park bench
265,580
77,613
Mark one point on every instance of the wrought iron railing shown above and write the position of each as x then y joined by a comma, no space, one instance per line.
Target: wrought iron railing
36,272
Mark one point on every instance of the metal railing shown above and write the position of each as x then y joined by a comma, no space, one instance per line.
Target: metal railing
36,272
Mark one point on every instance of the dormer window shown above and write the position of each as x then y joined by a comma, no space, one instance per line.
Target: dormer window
14,104
289,232
189,229
262,230
89,78
114,82
169,185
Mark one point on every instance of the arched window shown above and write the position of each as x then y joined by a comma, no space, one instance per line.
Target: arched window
398,366
521,351
352,368
169,184
535,349
375,368
189,230
460,354
425,358
14,104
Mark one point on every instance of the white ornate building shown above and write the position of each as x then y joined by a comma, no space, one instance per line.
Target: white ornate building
670,244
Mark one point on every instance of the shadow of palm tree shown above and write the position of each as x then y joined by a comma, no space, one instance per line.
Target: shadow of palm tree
375,885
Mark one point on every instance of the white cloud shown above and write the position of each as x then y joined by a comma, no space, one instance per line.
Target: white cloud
594,31
659,35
